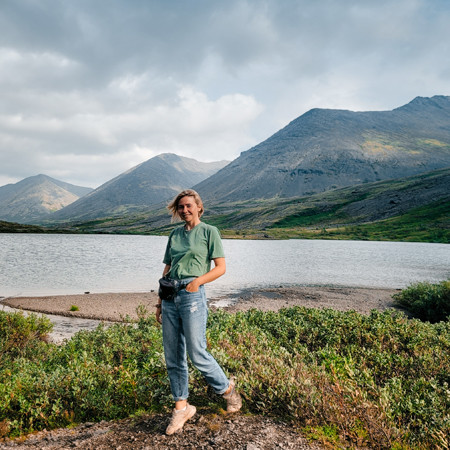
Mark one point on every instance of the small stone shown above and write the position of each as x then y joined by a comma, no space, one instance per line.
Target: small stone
252,447
99,432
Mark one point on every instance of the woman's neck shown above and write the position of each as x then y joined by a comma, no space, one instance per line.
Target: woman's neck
193,223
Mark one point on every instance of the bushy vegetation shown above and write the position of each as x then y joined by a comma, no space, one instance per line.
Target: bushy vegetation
12,227
22,337
380,381
426,301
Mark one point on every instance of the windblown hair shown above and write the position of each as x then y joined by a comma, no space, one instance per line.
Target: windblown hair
173,205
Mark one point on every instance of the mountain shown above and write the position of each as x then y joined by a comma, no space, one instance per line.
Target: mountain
328,149
35,198
156,180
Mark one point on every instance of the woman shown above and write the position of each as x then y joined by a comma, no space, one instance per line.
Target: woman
189,252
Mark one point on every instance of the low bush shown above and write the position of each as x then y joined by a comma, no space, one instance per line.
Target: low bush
379,381
22,336
426,301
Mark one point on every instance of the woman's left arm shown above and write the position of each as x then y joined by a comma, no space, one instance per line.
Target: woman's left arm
217,271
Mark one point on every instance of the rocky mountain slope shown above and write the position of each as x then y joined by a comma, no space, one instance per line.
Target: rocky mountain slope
328,149
149,183
36,197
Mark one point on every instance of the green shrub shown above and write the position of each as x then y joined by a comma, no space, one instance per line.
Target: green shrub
328,367
107,373
426,301
22,336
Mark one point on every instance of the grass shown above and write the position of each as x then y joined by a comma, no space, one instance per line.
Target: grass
308,217
349,380
429,223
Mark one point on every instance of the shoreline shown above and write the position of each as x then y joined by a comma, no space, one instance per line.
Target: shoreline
120,307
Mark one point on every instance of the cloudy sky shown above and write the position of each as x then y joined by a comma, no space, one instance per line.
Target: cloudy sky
91,88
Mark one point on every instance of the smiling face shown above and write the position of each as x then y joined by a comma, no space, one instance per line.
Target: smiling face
188,209
187,205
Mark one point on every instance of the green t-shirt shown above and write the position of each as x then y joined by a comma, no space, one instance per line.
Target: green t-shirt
189,253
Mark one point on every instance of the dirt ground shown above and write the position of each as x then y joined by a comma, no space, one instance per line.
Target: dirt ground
206,430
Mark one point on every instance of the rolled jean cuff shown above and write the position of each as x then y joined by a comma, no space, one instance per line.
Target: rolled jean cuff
224,390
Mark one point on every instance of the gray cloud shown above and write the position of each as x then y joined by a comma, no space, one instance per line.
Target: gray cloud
91,88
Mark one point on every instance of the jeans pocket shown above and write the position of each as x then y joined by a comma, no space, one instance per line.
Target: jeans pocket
191,295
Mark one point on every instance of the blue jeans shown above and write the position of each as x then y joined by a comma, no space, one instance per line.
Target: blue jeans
184,329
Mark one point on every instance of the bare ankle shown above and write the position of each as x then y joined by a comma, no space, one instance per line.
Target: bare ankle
181,404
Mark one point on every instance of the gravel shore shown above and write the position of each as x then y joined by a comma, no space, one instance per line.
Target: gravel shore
116,307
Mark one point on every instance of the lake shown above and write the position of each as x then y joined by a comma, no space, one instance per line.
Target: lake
48,264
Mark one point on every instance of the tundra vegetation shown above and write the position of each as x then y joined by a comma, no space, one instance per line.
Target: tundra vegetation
377,381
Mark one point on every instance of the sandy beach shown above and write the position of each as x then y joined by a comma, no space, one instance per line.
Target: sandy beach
117,307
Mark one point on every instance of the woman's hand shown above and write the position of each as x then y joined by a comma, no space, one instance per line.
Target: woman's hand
193,286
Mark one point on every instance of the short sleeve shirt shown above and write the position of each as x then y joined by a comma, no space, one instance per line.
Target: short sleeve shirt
189,253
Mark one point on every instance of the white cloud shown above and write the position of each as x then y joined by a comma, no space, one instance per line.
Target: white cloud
188,124
90,89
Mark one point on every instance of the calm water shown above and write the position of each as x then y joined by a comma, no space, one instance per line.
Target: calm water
39,264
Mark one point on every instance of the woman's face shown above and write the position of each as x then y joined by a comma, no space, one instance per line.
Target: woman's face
188,209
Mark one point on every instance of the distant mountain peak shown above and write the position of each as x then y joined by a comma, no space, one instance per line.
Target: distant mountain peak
36,197
418,103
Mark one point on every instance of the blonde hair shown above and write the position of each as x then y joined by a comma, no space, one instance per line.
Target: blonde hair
173,205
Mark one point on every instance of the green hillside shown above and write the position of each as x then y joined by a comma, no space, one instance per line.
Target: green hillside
11,227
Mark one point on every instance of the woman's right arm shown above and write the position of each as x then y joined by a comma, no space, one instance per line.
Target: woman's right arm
166,269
